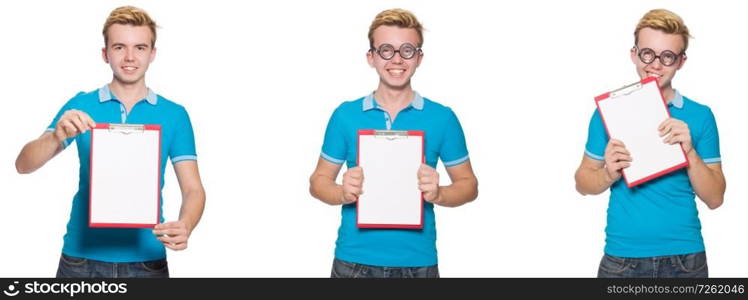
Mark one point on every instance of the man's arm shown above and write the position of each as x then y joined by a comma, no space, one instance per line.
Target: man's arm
323,187
591,177
708,181
595,176
174,235
39,151
464,187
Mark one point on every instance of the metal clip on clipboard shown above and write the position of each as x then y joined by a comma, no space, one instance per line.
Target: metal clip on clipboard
391,134
126,128
626,90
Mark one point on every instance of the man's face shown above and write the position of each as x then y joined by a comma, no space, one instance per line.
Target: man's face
659,42
397,71
129,52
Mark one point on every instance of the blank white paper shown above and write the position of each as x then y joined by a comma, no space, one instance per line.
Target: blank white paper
390,166
125,177
634,118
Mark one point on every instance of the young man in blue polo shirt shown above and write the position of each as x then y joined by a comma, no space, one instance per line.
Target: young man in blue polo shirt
395,38
129,37
653,229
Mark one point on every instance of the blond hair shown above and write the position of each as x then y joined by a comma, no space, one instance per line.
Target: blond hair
129,15
666,21
396,17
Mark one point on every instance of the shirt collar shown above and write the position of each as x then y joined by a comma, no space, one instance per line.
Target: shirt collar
370,103
105,94
677,101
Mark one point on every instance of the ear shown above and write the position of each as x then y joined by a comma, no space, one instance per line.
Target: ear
682,62
153,55
104,56
634,57
419,57
370,58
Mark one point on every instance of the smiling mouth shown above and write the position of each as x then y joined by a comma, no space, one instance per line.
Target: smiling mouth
129,68
654,75
396,72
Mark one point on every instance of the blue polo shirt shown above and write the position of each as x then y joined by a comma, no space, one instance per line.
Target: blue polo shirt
443,140
177,143
658,217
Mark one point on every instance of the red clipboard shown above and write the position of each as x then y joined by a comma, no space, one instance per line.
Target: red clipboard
125,176
380,206
653,160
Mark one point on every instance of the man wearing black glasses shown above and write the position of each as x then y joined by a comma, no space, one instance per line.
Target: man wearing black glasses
395,40
653,229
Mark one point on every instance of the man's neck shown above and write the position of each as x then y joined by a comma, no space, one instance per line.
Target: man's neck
390,98
127,93
669,93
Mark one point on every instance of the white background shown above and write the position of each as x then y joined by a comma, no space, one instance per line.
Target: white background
260,81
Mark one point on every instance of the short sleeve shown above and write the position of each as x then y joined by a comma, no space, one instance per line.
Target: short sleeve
597,138
183,145
707,145
334,146
51,128
453,148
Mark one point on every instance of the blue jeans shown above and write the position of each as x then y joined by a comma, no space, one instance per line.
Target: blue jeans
76,267
673,266
344,269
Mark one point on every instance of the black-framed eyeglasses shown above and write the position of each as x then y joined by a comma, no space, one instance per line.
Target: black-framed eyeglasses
666,57
387,51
